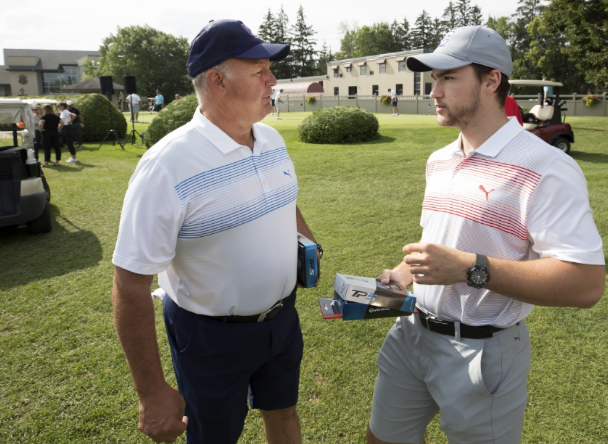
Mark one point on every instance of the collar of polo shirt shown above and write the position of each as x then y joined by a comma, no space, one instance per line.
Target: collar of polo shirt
494,145
219,138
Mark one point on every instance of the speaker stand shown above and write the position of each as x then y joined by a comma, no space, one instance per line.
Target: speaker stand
111,132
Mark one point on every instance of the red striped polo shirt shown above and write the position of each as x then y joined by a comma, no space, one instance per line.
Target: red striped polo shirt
515,198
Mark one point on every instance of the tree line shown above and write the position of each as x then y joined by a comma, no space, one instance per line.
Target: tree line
564,40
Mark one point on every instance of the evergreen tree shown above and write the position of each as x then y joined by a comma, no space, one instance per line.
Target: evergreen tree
450,17
475,16
280,31
347,42
502,25
302,47
325,56
422,32
267,28
437,33
401,35
520,38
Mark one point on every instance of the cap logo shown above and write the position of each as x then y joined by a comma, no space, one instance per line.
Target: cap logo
446,39
248,30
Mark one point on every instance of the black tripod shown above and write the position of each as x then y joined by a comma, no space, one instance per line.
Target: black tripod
133,130
111,132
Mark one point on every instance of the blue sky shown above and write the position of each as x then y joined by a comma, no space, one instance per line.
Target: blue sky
37,24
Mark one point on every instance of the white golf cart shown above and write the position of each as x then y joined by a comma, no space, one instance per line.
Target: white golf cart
24,192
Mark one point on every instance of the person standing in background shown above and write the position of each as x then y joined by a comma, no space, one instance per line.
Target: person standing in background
68,133
273,98
133,100
512,109
37,135
394,102
160,101
277,101
49,125
548,90
77,123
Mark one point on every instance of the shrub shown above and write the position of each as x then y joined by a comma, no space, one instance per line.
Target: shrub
176,114
94,109
385,99
340,124
310,100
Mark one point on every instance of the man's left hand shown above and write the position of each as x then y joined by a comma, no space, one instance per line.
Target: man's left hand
434,264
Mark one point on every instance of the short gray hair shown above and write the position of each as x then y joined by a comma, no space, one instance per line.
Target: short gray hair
200,81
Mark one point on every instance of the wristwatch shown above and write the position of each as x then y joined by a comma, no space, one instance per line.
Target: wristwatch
478,275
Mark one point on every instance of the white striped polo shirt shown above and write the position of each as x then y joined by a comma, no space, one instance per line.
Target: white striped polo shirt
515,198
215,220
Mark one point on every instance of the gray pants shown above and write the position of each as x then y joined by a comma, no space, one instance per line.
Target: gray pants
76,131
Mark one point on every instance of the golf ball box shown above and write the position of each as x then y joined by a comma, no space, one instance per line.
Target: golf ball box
308,262
358,298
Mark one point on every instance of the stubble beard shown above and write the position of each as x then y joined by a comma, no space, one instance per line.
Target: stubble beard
461,116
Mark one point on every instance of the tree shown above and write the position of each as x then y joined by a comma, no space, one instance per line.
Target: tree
502,25
401,35
421,35
437,33
267,28
157,60
584,25
450,17
302,47
280,32
325,56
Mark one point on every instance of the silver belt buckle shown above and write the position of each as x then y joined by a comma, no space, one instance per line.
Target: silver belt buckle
265,313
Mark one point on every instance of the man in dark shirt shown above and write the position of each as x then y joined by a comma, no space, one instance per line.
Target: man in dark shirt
77,123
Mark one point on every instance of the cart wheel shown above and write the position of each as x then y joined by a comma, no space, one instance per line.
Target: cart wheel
562,144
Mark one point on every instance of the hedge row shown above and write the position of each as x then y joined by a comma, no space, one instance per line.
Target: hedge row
95,112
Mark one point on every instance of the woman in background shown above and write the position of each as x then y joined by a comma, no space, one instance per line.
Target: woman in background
68,135
49,126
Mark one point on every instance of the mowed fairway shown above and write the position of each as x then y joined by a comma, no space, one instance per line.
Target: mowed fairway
63,378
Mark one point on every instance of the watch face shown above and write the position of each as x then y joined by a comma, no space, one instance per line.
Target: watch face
479,277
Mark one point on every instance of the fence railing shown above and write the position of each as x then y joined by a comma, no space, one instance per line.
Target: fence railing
424,105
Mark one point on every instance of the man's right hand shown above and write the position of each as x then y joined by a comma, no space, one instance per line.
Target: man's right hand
161,415
403,278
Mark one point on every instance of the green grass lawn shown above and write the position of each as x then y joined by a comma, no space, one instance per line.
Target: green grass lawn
63,378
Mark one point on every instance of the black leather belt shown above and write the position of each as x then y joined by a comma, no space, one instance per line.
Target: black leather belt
267,315
433,323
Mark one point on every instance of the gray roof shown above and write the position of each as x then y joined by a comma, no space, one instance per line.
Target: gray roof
50,60
4,76
380,56
91,85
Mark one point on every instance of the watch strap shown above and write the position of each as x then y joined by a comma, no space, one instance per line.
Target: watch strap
481,261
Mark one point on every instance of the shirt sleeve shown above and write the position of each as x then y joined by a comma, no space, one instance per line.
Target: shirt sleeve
149,223
560,220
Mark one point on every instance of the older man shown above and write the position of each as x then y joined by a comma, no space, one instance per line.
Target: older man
212,209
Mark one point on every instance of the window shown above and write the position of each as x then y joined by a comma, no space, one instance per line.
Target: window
375,90
336,90
352,91
321,82
53,81
349,68
402,66
362,70
399,89
382,68
335,72
416,83
428,87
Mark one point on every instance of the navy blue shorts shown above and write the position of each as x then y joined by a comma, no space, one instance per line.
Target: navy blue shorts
218,365
394,103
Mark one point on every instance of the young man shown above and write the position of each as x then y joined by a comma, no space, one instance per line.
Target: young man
224,243
394,102
67,132
77,123
160,101
506,226
277,102
134,100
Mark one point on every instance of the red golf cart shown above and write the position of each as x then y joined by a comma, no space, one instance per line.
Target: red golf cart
547,121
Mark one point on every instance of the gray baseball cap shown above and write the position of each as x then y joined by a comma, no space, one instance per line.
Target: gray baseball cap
464,46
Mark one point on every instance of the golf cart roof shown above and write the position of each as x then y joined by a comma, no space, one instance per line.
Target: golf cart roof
534,83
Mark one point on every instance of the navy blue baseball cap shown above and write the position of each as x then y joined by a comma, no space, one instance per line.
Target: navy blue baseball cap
221,40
